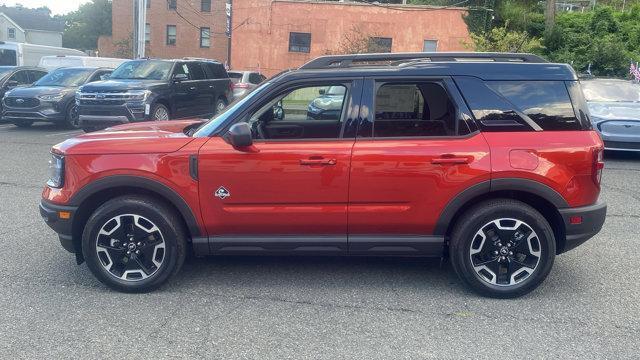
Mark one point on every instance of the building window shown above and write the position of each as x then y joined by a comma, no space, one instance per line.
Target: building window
147,33
172,4
205,37
379,45
299,42
148,4
11,33
171,34
205,5
430,46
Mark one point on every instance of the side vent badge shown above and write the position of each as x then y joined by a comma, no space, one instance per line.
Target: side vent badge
222,193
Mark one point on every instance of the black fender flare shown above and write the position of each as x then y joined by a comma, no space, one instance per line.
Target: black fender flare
115,181
488,186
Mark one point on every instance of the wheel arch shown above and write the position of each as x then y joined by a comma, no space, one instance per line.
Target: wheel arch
90,197
537,195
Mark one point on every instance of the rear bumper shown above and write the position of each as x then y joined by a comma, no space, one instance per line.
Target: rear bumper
64,227
592,219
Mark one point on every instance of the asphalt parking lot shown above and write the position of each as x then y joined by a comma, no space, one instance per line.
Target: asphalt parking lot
318,308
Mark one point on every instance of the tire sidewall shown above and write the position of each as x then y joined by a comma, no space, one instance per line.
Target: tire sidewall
173,238
480,216
69,119
155,107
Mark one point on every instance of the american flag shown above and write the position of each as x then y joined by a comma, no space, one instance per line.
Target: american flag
634,70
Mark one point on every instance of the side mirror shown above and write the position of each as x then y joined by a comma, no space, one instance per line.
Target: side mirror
11,84
180,77
322,91
239,135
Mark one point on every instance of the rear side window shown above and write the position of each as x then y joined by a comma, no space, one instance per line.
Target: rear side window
519,105
215,71
545,102
196,71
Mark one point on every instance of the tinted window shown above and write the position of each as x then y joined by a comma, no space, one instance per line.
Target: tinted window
196,71
143,69
545,102
299,42
235,77
21,77
416,109
215,71
302,113
8,57
36,75
255,78
65,77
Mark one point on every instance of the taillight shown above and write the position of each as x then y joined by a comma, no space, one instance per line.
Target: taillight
598,164
240,86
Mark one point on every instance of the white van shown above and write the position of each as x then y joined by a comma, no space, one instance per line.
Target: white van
58,61
23,54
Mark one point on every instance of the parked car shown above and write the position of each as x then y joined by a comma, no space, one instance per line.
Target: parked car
328,105
59,61
25,54
615,111
15,76
141,90
244,82
51,98
478,161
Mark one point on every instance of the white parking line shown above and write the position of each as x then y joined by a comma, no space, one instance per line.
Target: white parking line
75,132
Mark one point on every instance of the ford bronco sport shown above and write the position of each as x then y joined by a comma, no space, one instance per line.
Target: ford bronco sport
489,159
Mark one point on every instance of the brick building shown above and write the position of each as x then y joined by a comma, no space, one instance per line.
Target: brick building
273,35
174,29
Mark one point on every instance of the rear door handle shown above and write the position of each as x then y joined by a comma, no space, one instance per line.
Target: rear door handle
450,160
318,161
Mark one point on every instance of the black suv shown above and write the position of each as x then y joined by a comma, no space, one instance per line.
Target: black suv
14,76
141,90
51,98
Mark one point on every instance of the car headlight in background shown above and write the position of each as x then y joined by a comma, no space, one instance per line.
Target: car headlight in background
56,171
51,97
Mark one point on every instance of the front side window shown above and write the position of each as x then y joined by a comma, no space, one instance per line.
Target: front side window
11,33
143,70
196,71
21,77
205,37
313,112
379,45
205,5
171,34
299,42
65,77
415,109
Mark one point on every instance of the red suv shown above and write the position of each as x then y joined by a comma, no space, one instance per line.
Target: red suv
489,159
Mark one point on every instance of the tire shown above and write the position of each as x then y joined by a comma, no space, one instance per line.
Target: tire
88,129
23,124
156,253
159,112
72,120
515,234
219,107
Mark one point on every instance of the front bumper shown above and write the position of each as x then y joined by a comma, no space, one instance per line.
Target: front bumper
109,115
63,226
592,219
48,112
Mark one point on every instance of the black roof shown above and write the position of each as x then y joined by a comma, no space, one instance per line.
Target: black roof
486,66
33,19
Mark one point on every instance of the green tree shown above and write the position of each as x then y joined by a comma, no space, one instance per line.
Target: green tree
85,25
500,39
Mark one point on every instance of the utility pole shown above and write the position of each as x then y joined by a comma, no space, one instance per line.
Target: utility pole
139,24
550,15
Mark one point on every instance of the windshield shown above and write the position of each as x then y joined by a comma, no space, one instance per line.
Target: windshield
4,70
611,91
65,77
213,124
143,69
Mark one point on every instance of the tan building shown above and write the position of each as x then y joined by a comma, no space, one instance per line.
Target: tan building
174,29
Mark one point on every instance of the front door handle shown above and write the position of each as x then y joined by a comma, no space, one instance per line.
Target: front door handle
450,160
318,161
193,88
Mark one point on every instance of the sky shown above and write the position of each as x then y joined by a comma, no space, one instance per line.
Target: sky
58,7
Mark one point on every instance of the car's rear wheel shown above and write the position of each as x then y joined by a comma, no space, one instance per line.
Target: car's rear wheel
23,124
159,112
134,244
502,248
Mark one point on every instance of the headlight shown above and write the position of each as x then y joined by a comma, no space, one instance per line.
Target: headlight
56,171
51,97
137,95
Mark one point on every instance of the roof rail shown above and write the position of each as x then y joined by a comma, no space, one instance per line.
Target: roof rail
345,61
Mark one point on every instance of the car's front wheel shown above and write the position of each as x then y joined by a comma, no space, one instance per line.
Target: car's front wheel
23,124
159,112
134,244
72,119
502,248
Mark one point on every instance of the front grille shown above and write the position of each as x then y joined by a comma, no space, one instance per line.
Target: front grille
622,145
101,102
102,98
18,102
